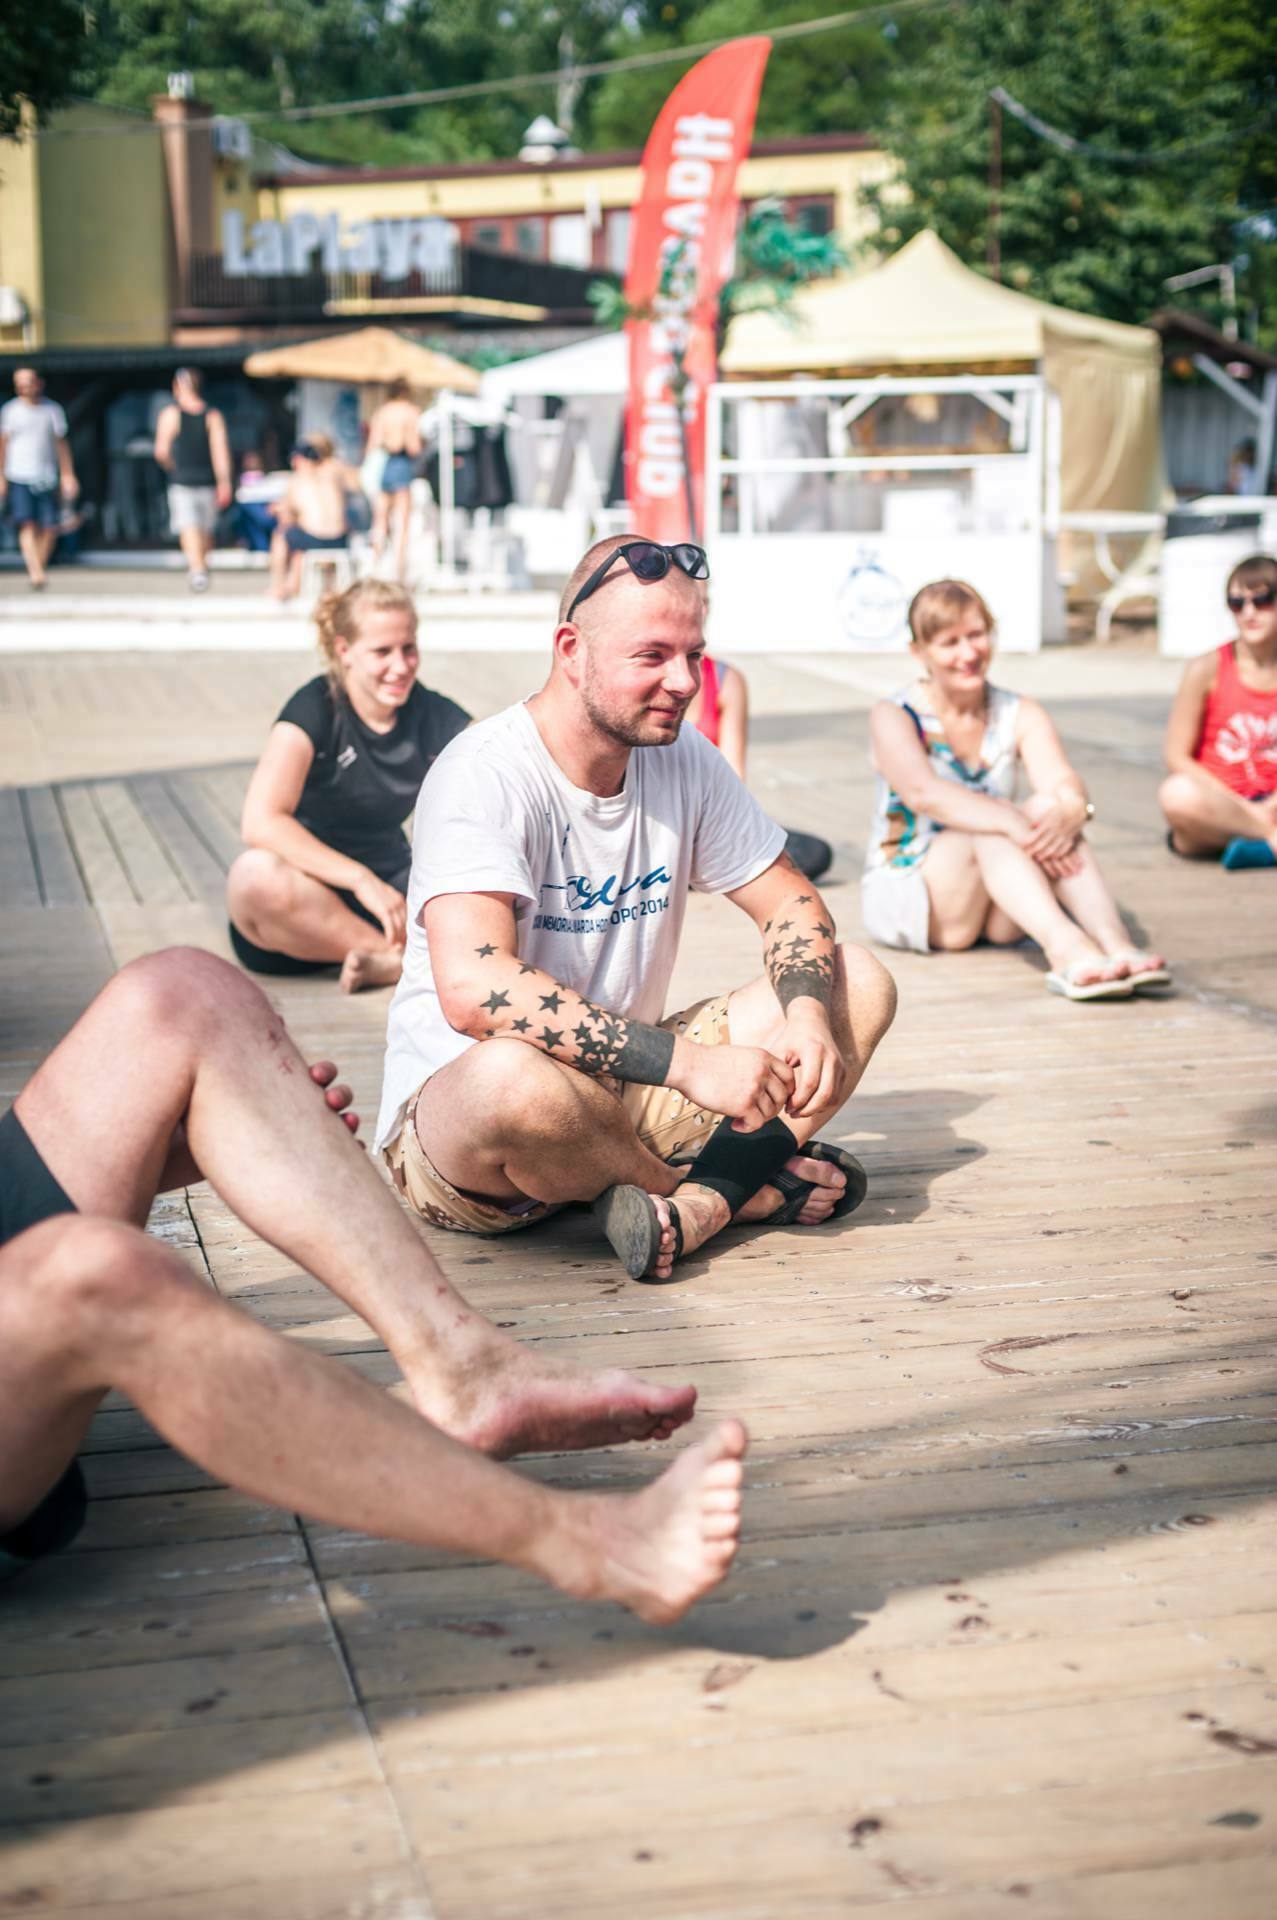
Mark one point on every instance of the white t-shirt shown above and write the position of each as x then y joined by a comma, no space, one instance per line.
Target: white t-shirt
31,436
599,885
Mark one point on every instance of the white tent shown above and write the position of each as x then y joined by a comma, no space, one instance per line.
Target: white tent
597,367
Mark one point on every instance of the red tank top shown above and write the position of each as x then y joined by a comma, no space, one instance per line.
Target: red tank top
710,707
1238,741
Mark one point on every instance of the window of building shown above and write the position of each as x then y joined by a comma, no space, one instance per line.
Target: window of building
569,240
529,239
616,240
485,233
815,214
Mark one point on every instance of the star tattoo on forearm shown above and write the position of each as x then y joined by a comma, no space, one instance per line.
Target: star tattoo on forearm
798,951
593,1040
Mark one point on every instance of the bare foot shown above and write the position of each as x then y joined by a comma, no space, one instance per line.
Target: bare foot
1136,960
702,1213
362,969
660,1551
1085,966
508,1400
830,1185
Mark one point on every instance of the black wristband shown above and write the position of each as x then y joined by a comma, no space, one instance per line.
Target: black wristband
644,1056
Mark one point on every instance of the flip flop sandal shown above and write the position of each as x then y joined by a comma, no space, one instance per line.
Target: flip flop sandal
1149,977
632,1227
797,1190
1065,984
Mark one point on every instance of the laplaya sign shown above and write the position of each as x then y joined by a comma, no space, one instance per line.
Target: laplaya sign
324,243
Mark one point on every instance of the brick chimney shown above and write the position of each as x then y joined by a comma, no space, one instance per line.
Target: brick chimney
187,139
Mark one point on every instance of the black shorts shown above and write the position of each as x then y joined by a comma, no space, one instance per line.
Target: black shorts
264,960
29,1194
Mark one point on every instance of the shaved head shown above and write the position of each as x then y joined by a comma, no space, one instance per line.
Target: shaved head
632,651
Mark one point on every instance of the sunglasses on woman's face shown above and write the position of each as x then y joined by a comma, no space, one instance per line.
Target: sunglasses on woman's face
647,560
1258,597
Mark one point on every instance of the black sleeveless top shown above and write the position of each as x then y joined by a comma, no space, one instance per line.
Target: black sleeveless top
193,461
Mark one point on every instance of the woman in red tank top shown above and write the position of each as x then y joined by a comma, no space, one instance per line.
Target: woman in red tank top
1221,741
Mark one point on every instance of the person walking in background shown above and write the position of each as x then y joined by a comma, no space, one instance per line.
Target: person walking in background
393,431
954,858
36,470
192,447
1220,799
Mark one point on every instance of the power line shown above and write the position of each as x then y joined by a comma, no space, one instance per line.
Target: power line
1086,150
514,83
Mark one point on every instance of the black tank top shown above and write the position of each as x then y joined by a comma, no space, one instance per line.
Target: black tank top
193,463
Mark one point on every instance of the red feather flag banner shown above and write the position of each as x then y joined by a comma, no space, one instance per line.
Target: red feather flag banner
680,252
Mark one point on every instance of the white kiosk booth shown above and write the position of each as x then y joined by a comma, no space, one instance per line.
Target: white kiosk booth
914,420
829,503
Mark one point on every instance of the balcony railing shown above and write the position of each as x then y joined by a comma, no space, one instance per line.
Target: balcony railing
474,273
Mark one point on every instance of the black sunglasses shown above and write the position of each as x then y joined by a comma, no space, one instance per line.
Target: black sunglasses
647,560
1257,597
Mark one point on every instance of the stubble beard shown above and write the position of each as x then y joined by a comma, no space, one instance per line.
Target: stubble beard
627,730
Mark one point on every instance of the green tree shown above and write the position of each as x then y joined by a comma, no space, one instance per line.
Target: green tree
40,46
833,82
1081,230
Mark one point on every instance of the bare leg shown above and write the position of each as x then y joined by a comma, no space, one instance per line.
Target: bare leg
380,523
86,1305
191,541
280,559
1018,885
34,551
181,1037
956,890
505,1122
401,507
1204,816
284,910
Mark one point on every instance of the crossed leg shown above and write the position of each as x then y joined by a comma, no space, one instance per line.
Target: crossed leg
278,907
90,1304
504,1122
983,884
180,1040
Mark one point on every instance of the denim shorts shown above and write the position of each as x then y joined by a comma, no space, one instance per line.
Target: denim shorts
34,506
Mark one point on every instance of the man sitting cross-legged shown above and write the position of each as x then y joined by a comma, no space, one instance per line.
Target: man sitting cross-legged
554,845
182,1070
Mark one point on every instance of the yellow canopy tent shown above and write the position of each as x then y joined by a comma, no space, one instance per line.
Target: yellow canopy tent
923,311
371,356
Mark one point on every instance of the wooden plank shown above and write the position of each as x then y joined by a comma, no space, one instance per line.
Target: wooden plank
105,875
153,873
61,882
203,873
19,881
215,827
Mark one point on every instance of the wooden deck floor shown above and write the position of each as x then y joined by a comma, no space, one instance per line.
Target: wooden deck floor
1001,1638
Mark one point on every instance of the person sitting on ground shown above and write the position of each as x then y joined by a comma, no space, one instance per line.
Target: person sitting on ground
553,849
721,712
324,877
191,445
393,429
312,513
1221,741
181,1070
953,858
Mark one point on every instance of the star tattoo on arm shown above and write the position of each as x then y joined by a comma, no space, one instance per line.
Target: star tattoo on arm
802,967
485,952
594,1040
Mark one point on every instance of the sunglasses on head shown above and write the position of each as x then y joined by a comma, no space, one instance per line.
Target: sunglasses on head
647,560
1251,597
